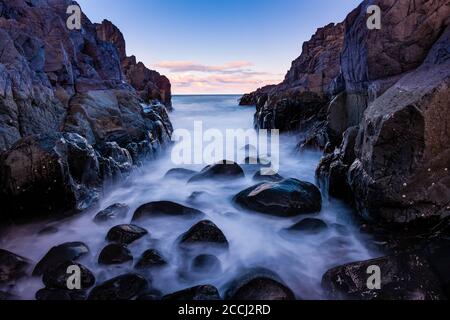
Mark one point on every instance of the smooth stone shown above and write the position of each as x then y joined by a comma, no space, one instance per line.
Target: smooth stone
180,173
198,293
152,295
221,170
290,197
60,295
258,284
206,264
112,213
114,254
12,266
165,208
309,226
126,234
70,251
204,232
125,287
57,276
150,259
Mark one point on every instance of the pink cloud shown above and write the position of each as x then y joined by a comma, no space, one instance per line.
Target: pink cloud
184,66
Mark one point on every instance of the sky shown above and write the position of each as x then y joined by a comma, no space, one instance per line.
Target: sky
218,46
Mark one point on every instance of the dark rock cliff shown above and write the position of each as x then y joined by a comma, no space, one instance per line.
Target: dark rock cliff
70,110
380,111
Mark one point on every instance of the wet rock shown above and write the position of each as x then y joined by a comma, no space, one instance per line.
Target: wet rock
199,293
258,285
404,277
67,181
206,264
56,277
114,254
180,173
126,234
308,226
48,230
164,208
274,177
113,212
125,287
221,170
287,198
70,251
204,232
151,259
60,295
6,296
12,266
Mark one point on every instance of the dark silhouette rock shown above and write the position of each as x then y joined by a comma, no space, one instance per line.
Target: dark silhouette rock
12,266
114,254
164,208
289,197
126,234
60,295
258,285
112,213
206,264
199,293
404,277
125,287
56,277
221,170
204,232
308,226
70,251
150,259
180,173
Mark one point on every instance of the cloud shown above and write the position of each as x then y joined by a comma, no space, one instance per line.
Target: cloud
185,66
231,77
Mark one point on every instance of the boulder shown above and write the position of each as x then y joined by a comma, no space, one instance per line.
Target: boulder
150,259
126,234
206,264
403,277
114,212
43,176
125,287
275,177
290,197
12,267
56,276
164,208
199,293
180,174
221,170
308,226
258,285
70,251
114,254
204,232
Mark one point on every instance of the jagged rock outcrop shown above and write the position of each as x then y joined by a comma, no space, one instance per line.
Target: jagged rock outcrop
148,83
384,123
66,111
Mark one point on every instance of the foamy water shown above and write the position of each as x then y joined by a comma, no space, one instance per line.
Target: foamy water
255,239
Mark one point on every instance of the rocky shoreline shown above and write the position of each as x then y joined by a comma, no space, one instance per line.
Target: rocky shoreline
376,103
72,118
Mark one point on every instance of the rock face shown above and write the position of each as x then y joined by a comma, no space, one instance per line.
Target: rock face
383,122
148,83
404,277
287,198
56,81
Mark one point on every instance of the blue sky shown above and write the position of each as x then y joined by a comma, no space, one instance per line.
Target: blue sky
218,46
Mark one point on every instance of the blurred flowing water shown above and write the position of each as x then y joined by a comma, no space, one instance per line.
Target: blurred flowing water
255,239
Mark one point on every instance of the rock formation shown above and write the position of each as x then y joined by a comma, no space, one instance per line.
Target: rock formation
70,110
377,102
